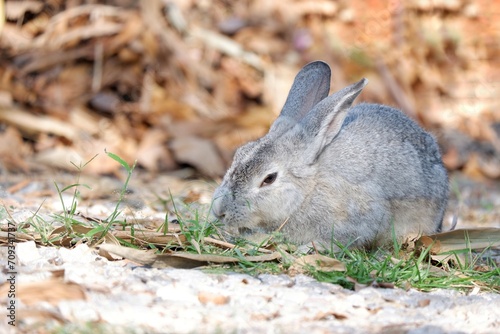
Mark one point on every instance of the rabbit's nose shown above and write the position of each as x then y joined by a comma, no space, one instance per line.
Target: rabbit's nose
217,212
217,206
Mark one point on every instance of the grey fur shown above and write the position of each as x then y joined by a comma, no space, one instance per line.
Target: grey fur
354,173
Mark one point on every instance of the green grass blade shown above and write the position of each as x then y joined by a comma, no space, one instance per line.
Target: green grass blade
119,160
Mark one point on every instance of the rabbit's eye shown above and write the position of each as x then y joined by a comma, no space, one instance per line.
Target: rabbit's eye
269,179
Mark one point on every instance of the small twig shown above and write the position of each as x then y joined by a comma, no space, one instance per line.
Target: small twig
228,46
18,186
229,245
216,242
283,224
98,68
315,248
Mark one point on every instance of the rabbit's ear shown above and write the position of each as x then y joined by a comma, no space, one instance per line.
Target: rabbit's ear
323,123
311,85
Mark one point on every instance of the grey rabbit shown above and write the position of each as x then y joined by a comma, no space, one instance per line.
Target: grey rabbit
327,170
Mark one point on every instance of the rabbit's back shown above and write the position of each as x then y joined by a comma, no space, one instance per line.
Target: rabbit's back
380,144
395,162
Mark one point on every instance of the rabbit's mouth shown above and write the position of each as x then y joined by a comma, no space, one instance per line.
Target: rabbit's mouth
244,231
256,236
239,234
232,233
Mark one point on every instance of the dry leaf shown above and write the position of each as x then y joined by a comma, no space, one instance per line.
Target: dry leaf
382,285
424,302
328,315
180,260
196,245
31,124
51,291
152,152
477,238
199,153
59,235
15,10
212,298
318,262
456,259
13,160
143,237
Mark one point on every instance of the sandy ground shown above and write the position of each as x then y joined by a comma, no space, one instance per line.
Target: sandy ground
80,290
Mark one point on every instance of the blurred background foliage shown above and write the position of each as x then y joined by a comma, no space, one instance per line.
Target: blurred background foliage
184,82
